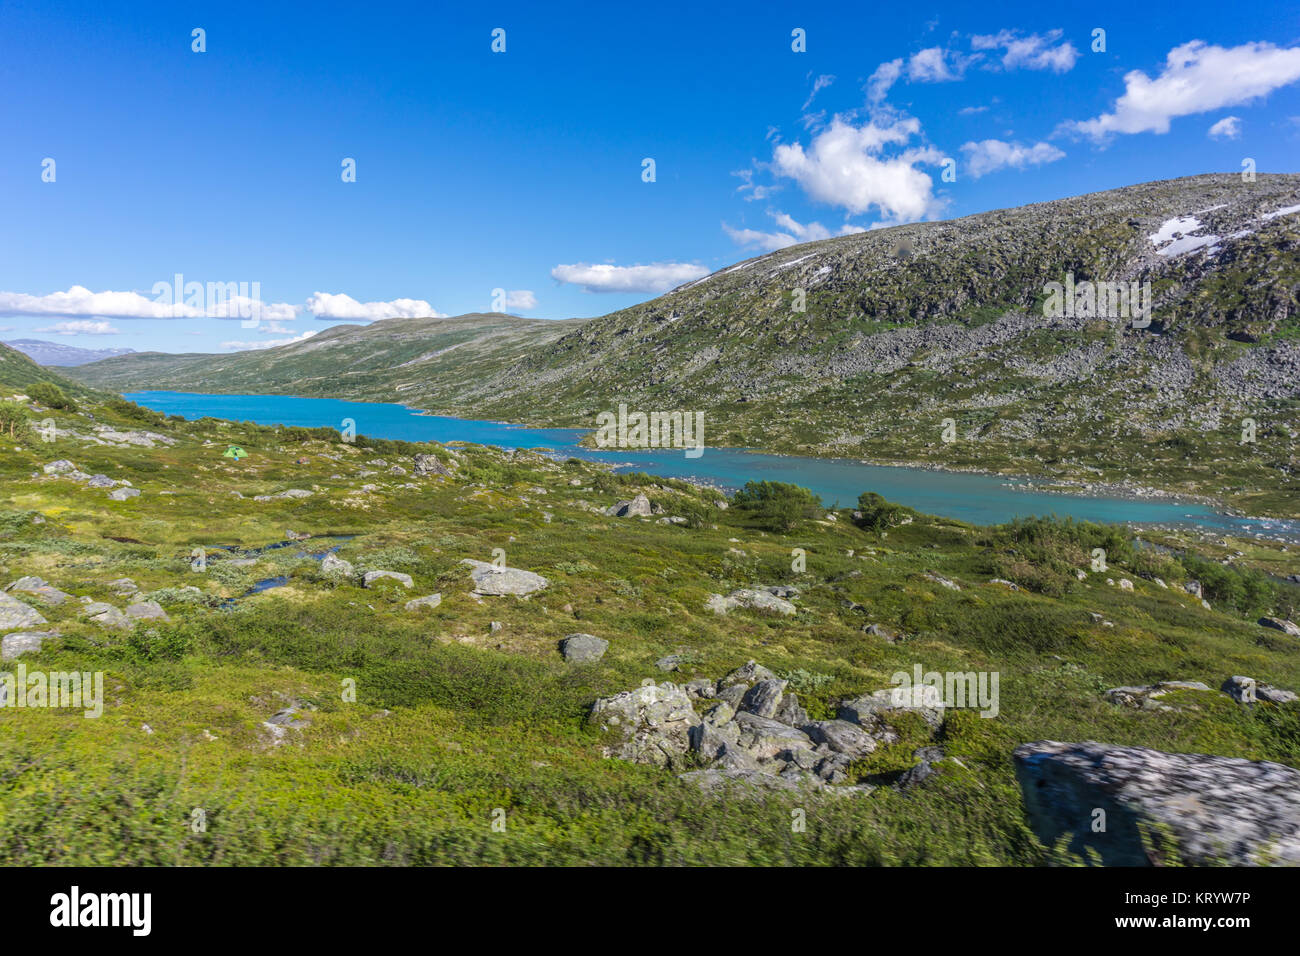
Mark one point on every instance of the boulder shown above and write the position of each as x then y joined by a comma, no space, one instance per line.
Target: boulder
1247,690
16,616
60,467
122,586
23,642
371,577
105,615
430,465
1242,812
637,507
747,673
1280,624
754,598
336,567
765,739
121,494
101,481
430,601
40,589
283,495
495,581
583,648
942,581
869,709
1148,697
146,611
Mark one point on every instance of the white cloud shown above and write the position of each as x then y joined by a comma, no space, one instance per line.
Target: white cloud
931,66
819,84
1033,52
201,302
1196,78
81,328
332,305
794,232
990,155
522,299
267,343
1227,128
656,277
886,75
971,110
844,166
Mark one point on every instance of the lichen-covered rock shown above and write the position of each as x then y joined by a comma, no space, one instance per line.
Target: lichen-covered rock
868,710
430,465
754,598
336,567
430,601
1244,812
40,589
654,722
23,642
147,611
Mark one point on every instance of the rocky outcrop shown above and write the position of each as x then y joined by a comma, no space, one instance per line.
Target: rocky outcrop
1280,624
752,731
287,494
1243,812
24,642
335,567
430,465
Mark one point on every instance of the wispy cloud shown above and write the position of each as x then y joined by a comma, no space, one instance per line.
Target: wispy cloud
990,155
1032,52
83,327
266,343
792,232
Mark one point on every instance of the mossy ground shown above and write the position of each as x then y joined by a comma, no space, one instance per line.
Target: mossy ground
454,723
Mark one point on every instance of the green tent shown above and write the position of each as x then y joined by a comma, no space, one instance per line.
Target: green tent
235,452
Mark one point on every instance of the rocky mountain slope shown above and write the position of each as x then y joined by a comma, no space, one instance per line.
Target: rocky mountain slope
902,329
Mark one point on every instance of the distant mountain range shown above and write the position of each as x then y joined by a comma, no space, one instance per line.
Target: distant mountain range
52,353
929,343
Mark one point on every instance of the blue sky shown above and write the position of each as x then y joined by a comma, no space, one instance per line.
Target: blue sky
522,171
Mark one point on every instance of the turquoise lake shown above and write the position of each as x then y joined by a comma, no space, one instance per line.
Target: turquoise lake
979,499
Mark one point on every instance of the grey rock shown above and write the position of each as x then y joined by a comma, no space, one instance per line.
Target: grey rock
583,648
790,712
121,494
60,467
753,598
429,601
146,611
869,709
733,694
430,465
284,495
15,615
108,616
653,721
1247,690
765,739
1280,624
122,586
747,673
764,697
701,688
40,589
841,737
1244,812
491,580
23,642
669,662
638,507
334,566
371,577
